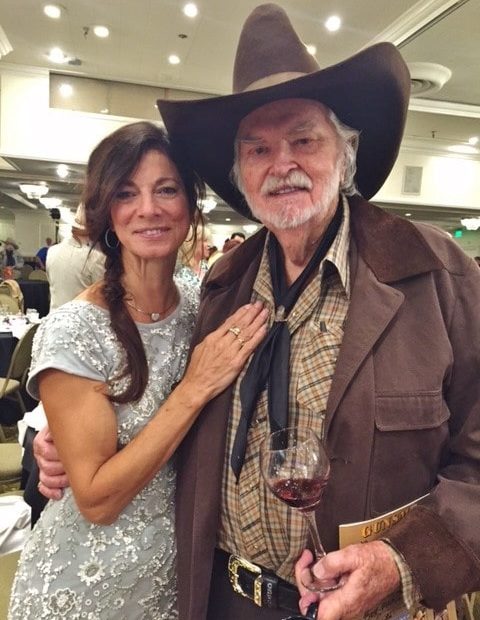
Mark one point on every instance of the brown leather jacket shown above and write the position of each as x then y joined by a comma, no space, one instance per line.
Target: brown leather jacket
403,415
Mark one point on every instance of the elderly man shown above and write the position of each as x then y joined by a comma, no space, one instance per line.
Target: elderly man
374,344
375,334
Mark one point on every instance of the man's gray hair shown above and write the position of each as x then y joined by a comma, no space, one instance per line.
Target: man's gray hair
349,139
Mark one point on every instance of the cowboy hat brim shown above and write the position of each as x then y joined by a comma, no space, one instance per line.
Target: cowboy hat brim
369,92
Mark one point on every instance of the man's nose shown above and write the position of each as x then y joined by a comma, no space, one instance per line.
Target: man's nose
282,159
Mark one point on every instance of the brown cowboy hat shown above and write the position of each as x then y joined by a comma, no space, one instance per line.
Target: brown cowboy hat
368,91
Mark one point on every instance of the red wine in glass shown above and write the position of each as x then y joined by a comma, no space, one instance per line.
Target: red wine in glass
296,468
301,493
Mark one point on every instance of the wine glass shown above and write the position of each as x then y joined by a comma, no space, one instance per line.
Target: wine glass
296,468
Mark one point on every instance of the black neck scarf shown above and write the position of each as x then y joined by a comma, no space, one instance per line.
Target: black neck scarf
270,363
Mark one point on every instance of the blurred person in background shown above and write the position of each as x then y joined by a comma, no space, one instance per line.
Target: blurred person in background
73,264
193,254
41,256
10,255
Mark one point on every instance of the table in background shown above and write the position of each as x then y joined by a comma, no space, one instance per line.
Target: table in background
7,344
36,294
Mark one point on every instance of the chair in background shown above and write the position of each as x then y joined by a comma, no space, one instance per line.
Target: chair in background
9,304
12,288
10,463
25,271
38,274
14,382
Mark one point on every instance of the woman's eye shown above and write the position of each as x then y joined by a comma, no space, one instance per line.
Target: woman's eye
124,194
167,190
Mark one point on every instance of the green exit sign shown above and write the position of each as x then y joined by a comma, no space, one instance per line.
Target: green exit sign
458,233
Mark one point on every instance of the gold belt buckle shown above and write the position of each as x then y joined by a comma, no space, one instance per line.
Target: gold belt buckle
234,563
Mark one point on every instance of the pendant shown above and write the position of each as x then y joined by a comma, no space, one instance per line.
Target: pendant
155,316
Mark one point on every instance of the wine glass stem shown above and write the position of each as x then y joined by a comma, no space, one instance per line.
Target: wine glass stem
315,536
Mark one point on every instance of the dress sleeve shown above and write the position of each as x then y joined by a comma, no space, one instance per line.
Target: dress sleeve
67,341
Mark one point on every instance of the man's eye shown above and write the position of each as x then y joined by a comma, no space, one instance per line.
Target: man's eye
259,150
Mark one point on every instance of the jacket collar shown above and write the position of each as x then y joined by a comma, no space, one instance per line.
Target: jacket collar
392,247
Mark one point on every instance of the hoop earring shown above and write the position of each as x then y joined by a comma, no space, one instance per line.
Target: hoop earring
115,244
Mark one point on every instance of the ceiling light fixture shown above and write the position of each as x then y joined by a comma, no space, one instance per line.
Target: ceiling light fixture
190,9
63,171
53,11
408,215
208,204
333,23
173,59
471,223
57,55
427,77
250,228
101,31
66,90
311,49
33,191
473,140
49,202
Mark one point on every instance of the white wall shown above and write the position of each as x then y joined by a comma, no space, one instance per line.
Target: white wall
447,179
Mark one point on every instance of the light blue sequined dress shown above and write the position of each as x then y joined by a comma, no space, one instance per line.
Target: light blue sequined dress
71,568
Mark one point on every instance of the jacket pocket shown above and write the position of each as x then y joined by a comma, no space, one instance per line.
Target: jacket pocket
410,439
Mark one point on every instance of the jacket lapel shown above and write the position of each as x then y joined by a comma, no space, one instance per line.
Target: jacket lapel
373,305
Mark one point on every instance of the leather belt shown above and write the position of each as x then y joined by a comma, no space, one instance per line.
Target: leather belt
260,585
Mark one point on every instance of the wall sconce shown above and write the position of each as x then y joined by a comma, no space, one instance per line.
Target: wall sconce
33,191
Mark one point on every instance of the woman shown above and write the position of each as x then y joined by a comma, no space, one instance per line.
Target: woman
193,254
108,367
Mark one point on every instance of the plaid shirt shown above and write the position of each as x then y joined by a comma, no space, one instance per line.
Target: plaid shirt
254,524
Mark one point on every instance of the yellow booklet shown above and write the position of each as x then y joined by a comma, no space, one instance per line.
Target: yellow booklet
364,531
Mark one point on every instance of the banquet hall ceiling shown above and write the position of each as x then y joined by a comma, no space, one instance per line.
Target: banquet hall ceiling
143,33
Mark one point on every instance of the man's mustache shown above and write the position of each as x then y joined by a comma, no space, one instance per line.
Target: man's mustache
294,179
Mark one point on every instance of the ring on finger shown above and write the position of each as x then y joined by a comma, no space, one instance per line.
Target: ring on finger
235,330
241,341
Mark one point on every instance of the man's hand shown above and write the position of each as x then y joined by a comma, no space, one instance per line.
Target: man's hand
368,573
52,474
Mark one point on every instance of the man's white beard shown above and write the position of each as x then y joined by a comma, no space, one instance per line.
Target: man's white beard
290,216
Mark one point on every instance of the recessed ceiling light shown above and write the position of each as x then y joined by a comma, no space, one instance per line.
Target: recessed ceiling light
62,171
228,219
473,140
101,31
52,10
311,49
57,55
408,215
190,9
66,90
104,111
173,59
464,149
333,23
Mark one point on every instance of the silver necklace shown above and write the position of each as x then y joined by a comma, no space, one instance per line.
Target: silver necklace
154,316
